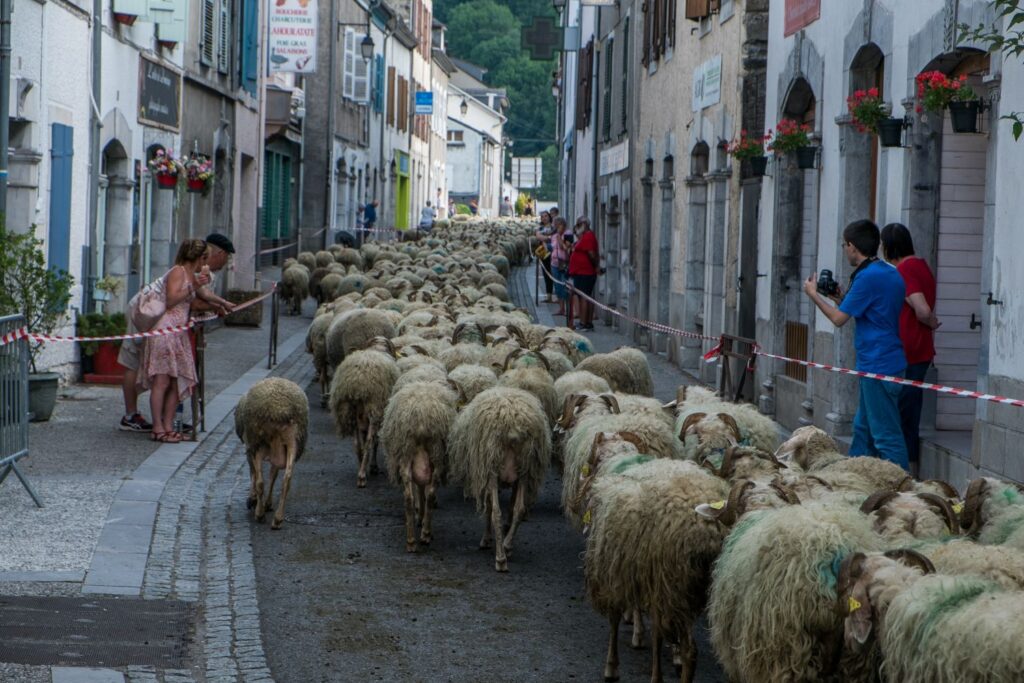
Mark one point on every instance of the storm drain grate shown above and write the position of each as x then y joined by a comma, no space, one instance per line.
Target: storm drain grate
93,631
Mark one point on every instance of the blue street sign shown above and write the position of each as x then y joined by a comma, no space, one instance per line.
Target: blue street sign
424,102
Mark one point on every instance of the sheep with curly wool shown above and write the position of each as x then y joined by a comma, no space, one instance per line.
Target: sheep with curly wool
425,373
324,258
359,395
295,287
614,369
410,359
501,438
350,257
579,382
934,628
1002,564
558,363
350,331
902,518
316,343
537,381
773,595
636,360
272,420
308,259
463,354
330,285
473,379
993,512
649,550
709,426
415,435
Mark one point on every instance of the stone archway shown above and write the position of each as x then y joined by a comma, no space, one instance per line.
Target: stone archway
114,228
696,235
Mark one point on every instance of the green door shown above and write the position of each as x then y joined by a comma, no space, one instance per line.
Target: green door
402,193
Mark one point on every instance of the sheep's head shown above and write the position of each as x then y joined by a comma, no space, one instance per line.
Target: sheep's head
555,344
382,344
745,496
469,331
589,404
805,446
936,486
606,445
911,515
713,432
460,394
743,462
866,584
524,358
984,496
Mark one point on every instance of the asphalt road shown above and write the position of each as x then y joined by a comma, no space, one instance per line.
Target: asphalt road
341,600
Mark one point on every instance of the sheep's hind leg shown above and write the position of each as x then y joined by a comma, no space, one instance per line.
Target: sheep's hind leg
485,541
518,513
611,662
426,514
687,651
286,484
409,493
250,502
270,486
261,500
364,457
637,642
500,559
656,638
374,469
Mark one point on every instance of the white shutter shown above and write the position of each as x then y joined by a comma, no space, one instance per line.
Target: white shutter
361,87
224,38
349,84
208,32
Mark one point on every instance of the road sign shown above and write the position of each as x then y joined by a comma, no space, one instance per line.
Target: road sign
424,102
542,38
526,172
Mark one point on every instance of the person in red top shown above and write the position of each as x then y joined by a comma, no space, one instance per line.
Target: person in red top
583,270
917,326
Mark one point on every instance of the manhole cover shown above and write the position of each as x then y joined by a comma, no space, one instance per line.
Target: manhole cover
92,631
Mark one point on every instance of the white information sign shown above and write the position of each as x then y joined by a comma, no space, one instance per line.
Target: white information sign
707,83
292,35
614,159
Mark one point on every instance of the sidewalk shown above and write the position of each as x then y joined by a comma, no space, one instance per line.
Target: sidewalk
103,489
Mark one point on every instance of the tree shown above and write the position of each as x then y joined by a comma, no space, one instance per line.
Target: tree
1009,41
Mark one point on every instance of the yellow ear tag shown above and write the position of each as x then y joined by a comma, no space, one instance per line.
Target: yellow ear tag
586,470
854,605
586,517
717,505
958,508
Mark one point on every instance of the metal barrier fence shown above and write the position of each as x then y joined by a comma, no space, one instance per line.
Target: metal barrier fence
14,413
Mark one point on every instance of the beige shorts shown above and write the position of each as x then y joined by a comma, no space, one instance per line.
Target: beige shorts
130,354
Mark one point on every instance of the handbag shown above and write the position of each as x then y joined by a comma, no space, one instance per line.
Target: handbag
541,252
148,305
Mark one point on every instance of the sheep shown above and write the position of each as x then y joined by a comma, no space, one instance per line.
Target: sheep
718,424
648,549
462,354
430,373
934,628
350,257
316,342
329,287
324,259
414,432
351,331
315,277
536,381
772,604
580,382
272,420
1001,564
636,360
558,363
501,439
295,287
473,379
613,369
359,394
904,517
993,512
308,259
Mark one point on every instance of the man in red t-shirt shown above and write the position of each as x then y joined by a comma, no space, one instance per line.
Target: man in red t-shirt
583,270
917,326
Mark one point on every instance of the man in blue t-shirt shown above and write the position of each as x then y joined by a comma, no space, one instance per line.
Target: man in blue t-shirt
875,299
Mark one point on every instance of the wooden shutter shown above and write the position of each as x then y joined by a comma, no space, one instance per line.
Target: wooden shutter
670,23
62,150
378,96
606,114
657,34
391,96
645,57
224,37
697,9
250,46
208,32
625,74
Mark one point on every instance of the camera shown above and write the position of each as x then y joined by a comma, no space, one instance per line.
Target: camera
827,286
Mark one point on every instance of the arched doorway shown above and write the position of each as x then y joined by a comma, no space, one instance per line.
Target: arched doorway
114,227
693,252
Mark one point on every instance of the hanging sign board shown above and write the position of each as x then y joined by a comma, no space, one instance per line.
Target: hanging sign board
707,83
159,95
800,13
424,102
292,36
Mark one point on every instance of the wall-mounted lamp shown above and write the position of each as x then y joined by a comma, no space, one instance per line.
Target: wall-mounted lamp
464,107
559,5
366,47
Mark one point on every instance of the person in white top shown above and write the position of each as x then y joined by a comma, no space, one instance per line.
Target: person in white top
427,216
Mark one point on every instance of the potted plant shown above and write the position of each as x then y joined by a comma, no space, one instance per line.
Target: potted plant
750,149
794,138
165,169
106,288
871,115
198,172
937,91
102,354
41,294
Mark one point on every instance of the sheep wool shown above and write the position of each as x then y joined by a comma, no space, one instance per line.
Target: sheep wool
643,383
363,381
536,381
418,417
473,379
580,382
612,368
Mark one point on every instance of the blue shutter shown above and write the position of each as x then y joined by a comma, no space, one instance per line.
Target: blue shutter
61,156
250,45
378,88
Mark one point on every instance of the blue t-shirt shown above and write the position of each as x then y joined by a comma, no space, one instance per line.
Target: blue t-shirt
875,300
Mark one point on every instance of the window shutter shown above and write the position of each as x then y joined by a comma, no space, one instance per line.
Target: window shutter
349,79
606,114
697,9
361,79
224,38
250,46
391,96
378,96
285,210
645,57
625,73
208,32
670,23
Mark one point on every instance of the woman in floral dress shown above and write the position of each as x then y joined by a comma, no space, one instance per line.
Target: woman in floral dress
168,369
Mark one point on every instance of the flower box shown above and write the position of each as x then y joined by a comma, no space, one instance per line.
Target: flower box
165,181
125,18
196,185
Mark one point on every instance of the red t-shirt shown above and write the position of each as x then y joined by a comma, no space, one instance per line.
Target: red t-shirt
579,261
918,340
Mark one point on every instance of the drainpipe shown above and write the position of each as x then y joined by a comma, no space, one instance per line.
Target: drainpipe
598,49
332,109
383,121
94,135
5,100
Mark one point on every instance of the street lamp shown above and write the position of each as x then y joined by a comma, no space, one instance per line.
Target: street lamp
559,5
464,107
366,47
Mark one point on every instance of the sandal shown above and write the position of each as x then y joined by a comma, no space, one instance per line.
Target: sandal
166,437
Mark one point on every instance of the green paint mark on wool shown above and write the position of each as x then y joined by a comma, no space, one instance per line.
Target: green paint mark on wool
1013,496
962,593
629,463
1006,529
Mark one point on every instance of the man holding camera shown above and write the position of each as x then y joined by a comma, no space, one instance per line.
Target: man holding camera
875,300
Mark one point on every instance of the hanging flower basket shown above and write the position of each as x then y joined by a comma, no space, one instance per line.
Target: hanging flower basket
164,168
805,157
166,181
196,185
758,166
790,136
890,132
867,109
963,116
198,172
126,19
752,149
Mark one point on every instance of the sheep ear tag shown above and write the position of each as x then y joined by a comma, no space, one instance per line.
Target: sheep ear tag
586,470
958,508
717,505
587,516
711,510
853,604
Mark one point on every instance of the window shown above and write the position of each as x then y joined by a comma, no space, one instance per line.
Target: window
726,11
356,80
224,38
215,34
623,100
609,62
455,136
584,83
659,29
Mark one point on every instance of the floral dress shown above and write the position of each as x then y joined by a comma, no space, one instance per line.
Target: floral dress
170,354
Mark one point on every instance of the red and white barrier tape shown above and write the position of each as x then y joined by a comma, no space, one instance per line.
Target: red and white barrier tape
23,332
716,351
276,249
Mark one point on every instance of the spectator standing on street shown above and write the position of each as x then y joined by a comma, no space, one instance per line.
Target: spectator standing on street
560,263
917,326
167,367
583,262
451,207
874,300
544,233
474,208
506,210
370,215
427,216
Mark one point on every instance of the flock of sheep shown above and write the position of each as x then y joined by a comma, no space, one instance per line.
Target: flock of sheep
810,565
